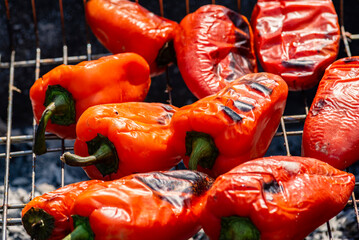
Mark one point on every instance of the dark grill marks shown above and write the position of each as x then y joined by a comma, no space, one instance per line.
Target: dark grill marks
242,106
304,64
259,87
178,187
272,187
232,114
164,119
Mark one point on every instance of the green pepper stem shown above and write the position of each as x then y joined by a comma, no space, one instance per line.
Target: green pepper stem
79,233
201,149
58,106
38,223
238,228
103,154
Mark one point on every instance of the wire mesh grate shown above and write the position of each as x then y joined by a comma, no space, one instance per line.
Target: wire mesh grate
289,132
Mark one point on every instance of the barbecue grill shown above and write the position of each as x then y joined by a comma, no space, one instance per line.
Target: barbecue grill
38,35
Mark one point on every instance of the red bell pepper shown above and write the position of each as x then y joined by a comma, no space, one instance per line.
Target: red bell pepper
214,46
60,96
48,216
296,39
156,205
331,128
237,124
125,26
275,198
115,140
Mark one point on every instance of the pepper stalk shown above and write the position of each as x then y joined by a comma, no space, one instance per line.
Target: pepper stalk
238,228
60,108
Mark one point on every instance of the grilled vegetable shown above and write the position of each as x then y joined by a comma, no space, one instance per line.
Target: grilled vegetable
156,205
115,140
296,39
214,46
330,129
63,94
237,124
275,198
48,216
125,26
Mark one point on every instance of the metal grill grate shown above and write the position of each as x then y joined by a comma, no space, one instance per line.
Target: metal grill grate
288,135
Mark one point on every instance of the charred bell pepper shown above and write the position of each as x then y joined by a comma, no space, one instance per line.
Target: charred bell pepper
275,198
63,94
214,46
48,216
156,205
330,130
237,124
296,39
125,26
115,140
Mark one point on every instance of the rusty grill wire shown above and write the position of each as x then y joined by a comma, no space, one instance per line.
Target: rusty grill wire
284,133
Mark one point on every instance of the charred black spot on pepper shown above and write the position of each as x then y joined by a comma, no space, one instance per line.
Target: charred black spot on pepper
232,114
295,63
245,107
116,112
349,60
259,87
167,107
230,77
163,119
317,107
272,187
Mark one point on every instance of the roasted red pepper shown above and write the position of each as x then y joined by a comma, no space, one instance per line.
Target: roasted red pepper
330,131
296,39
63,94
125,26
214,46
235,125
156,205
116,140
48,216
275,198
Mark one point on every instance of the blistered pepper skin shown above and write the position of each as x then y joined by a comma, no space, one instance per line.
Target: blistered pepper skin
111,79
157,205
330,129
57,204
214,46
296,39
284,197
139,131
241,119
125,26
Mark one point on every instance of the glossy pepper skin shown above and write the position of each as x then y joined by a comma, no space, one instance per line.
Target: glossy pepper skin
60,96
214,46
330,129
48,216
156,205
125,26
237,124
275,198
136,137
296,39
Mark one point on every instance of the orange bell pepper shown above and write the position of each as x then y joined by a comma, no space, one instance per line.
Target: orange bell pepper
275,198
125,26
115,140
237,124
60,96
